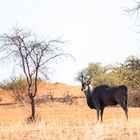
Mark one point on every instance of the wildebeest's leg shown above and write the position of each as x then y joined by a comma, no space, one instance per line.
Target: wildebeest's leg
126,109
98,113
126,112
102,111
97,107
124,106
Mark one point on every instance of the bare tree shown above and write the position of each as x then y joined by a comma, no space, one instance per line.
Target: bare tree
134,10
32,55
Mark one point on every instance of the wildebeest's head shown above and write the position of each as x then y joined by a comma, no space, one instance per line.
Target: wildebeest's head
85,83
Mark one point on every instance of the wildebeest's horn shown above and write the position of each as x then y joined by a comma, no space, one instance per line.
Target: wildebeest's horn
90,78
82,76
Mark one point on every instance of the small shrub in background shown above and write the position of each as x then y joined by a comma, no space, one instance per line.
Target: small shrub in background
18,86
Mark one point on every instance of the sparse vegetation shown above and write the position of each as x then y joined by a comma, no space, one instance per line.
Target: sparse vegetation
18,86
67,98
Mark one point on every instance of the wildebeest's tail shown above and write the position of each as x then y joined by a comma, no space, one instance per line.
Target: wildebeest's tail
125,90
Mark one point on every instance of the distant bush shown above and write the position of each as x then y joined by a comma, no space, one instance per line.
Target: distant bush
67,98
134,98
18,86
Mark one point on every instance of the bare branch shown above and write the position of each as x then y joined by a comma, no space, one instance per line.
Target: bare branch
134,10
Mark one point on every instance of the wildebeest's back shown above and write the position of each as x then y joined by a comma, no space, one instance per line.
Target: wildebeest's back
103,94
123,88
113,95
107,96
99,89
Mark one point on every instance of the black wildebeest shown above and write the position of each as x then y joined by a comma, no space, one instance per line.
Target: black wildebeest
102,96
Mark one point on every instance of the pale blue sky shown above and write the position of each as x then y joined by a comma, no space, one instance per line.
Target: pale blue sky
97,30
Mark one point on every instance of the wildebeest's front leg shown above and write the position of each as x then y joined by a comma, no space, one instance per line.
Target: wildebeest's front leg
102,111
98,113
97,107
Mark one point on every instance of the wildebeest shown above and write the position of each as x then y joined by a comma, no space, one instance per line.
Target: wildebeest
102,96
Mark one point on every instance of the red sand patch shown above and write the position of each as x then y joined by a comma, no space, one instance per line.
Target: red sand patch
6,97
59,89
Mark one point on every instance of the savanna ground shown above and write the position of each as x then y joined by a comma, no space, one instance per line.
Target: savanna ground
58,121
61,121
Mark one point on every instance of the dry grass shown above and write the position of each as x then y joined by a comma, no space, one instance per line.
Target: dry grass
74,130
57,121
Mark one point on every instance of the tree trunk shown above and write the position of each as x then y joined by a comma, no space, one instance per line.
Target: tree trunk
32,107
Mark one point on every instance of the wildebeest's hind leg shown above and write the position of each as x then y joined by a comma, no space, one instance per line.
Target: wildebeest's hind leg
124,106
